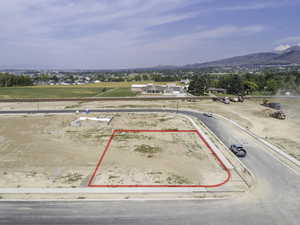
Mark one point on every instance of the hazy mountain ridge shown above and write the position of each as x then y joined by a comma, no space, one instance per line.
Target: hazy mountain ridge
286,57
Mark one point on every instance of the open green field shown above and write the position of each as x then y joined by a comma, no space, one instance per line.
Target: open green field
64,92
117,92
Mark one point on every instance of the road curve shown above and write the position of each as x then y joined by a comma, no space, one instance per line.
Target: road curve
274,201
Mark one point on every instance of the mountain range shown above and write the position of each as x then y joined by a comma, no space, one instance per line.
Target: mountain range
287,56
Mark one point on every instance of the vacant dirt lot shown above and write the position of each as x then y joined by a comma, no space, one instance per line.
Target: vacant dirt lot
47,151
158,159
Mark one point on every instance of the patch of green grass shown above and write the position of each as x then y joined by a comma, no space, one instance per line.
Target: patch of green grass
118,92
176,179
147,149
164,119
113,177
170,129
50,92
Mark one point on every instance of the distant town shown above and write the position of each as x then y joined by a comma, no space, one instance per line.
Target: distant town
178,82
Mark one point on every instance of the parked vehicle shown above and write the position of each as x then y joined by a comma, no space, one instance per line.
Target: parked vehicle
238,150
225,100
208,114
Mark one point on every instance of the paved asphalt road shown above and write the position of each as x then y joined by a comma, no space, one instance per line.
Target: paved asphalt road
275,200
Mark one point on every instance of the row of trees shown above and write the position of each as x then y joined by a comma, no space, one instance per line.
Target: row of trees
245,84
8,80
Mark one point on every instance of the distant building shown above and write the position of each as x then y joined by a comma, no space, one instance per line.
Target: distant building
154,89
169,89
138,87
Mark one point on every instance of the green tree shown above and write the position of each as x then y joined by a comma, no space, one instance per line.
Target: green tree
233,84
199,85
250,87
273,86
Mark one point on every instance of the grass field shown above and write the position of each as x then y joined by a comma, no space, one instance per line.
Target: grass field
64,92
103,89
118,92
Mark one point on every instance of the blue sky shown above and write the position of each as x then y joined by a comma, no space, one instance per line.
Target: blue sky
101,34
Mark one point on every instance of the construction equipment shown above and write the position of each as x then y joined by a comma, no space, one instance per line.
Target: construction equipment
278,115
237,99
241,98
273,105
234,99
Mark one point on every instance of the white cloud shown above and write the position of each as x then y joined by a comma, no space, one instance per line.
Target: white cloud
202,36
282,47
256,5
100,33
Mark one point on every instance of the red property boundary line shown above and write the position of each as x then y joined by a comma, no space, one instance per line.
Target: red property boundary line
90,182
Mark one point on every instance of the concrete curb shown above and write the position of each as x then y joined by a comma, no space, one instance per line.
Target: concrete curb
216,150
97,190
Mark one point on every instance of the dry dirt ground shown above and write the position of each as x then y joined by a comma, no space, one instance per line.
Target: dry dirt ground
158,159
285,134
47,151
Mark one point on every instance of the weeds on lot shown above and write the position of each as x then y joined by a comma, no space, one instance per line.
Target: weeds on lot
75,105
81,197
127,136
176,179
147,149
72,106
124,136
113,177
165,119
102,136
155,173
146,123
169,129
70,178
31,174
